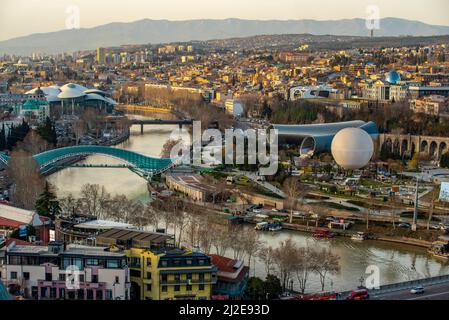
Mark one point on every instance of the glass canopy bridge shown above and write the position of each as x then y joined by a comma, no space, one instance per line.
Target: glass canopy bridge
57,159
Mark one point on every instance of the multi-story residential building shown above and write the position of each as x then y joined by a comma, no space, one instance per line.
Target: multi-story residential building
433,105
159,270
73,272
12,99
232,278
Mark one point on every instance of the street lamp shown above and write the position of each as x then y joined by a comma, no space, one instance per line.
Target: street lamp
362,279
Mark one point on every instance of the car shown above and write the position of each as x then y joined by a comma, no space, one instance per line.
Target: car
417,290
275,210
257,211
358,295
435,227
405,225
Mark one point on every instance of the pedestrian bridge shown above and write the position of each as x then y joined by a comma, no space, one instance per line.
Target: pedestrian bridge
57,159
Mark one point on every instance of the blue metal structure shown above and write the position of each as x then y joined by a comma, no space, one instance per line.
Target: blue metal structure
143,165
317,138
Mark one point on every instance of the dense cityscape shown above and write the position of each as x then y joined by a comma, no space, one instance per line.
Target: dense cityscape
96,205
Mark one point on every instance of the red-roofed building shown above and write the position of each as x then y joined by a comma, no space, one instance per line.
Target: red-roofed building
12,218
232,277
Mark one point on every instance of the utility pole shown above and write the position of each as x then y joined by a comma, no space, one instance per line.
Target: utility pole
415,214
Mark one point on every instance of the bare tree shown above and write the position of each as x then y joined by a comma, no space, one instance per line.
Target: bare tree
285,261
27,180
266,254
94,200
327,263
293,190
305,266
251,244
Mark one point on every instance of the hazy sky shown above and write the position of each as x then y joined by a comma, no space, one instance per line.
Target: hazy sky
23,17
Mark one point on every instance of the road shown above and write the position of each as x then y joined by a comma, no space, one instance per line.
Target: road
436,292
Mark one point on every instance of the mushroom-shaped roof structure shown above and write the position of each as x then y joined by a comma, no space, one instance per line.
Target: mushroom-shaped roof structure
97,91
72,91
393,77
94,96
111,101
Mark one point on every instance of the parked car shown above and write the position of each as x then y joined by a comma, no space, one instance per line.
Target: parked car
405,225
417,290
358,295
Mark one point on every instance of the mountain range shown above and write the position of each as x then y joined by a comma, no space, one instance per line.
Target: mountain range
164,31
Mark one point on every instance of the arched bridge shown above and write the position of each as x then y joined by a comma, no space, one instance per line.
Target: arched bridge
433,147
53,160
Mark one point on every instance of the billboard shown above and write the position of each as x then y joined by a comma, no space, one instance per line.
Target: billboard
444,192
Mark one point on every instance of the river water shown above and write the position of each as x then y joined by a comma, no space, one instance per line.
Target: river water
396,262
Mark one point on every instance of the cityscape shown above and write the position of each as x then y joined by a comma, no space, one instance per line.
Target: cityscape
225,159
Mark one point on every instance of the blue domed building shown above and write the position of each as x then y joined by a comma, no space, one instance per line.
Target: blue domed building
393,77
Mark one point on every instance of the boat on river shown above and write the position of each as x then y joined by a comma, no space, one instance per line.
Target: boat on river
359,236
323,234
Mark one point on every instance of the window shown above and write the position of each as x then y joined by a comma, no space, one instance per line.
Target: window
188,287
201,262
164,277
53,293
148,287
26,275
62,277
117,279
13,275
177,277
201,277
164,263
164,288
14,260
134,273
189,276
148,275
189,262
177,288
48,276
81,277
201,287
148,262
135,262
113,264
94,278
99,294
90,294
92,262
108,294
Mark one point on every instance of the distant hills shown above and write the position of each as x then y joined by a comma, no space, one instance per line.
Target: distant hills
164,31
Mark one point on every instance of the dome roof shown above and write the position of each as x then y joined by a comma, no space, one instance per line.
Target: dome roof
72,91
393,77
352,148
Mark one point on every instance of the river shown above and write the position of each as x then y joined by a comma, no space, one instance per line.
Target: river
396,262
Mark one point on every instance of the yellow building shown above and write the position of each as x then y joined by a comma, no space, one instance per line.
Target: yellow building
176,274
158,270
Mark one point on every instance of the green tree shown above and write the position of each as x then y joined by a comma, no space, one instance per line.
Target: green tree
255,289
272,287
47,204
48,131
444,162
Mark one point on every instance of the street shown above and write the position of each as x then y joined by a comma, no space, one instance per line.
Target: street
436,292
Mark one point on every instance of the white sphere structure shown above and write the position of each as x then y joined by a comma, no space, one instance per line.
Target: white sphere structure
352,148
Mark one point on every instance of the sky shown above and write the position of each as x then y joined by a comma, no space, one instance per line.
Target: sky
24,17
